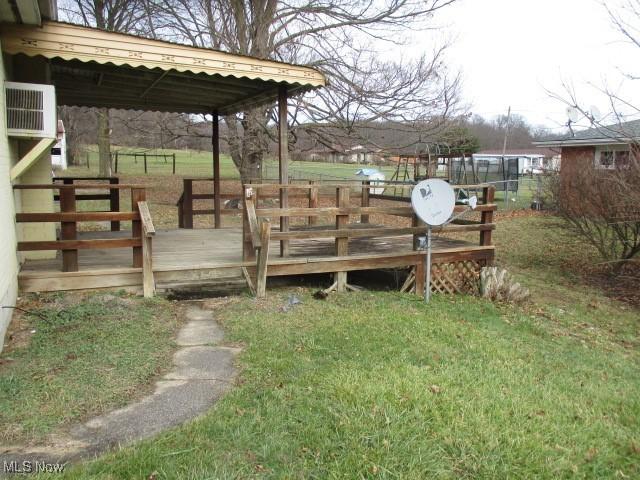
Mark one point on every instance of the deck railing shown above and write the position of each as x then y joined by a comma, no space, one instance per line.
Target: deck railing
113,196
257,226
68,217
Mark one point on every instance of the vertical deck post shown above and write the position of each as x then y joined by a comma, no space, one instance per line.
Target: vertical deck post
187,203
137,195
261,271
145,162
420,281
488,194
174,164
342,243
148,284
248,252
364,218
215,144
68,230
313,202
114,201
116,154
283,158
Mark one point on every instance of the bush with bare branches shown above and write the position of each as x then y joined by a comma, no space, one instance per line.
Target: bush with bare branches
603,207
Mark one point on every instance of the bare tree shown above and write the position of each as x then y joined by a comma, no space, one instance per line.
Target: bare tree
336,36
130,16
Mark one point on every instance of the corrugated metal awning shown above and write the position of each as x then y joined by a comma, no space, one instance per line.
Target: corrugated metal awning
97,68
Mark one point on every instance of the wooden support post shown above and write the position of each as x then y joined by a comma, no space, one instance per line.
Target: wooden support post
342,243
248,252
313,202
364,218
215,143
283,158
187,203
174,164
137,195
488,194
261,271
420,280
148,230
416,222
114,202
68,230
116,162
145,162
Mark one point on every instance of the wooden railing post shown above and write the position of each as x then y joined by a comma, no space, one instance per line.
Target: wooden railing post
137,195
114,202
145,162
313,202
181,211
248,252
263,257
187,203
488,194
148,230
342,243
68,230
364,218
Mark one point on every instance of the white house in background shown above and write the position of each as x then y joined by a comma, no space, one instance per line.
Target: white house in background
59,150
533,160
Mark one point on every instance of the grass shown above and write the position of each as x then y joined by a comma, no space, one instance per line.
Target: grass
192,163
380,385
76,357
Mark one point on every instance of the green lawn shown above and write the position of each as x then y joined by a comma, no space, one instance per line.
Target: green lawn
380,385
76,356
191,163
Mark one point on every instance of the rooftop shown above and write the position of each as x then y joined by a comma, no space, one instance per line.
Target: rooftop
623,132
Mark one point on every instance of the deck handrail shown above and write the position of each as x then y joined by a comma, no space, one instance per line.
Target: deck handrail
69,217
148,282
113,196
254,215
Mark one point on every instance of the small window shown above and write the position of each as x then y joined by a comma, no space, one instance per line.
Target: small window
606,160
56,151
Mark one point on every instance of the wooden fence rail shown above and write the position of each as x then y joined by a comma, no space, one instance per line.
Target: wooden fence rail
69,217
113,196
257,230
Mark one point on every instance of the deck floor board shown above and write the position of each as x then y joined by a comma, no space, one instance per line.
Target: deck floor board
211,247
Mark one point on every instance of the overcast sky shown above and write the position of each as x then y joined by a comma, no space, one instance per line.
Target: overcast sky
510,51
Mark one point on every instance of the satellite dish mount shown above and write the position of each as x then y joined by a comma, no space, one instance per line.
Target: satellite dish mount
434,201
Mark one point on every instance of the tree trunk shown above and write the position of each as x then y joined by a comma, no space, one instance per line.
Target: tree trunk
104,142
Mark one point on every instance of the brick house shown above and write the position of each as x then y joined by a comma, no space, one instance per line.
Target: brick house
606,148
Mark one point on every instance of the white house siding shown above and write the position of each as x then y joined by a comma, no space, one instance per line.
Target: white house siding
8,256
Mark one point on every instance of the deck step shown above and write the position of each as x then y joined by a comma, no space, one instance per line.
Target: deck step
217,287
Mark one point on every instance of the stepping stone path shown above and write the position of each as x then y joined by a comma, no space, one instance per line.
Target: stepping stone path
203,371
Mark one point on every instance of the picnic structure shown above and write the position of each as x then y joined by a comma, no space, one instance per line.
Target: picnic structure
287,228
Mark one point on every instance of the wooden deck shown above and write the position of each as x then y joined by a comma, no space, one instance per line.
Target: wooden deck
204,254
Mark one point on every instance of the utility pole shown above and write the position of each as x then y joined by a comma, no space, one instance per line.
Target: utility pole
504,151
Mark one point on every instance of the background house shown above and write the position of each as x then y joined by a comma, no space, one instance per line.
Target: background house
605,147
531,160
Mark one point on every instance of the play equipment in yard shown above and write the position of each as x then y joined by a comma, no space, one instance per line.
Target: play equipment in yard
433,201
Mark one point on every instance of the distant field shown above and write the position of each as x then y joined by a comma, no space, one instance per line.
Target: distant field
200,164
192,163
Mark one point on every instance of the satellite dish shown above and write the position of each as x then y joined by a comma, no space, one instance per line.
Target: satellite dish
573,113
433,200
595,113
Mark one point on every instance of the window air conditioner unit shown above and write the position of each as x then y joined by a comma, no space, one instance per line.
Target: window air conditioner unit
31,110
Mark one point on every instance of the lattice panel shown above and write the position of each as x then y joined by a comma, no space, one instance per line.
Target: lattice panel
456,277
